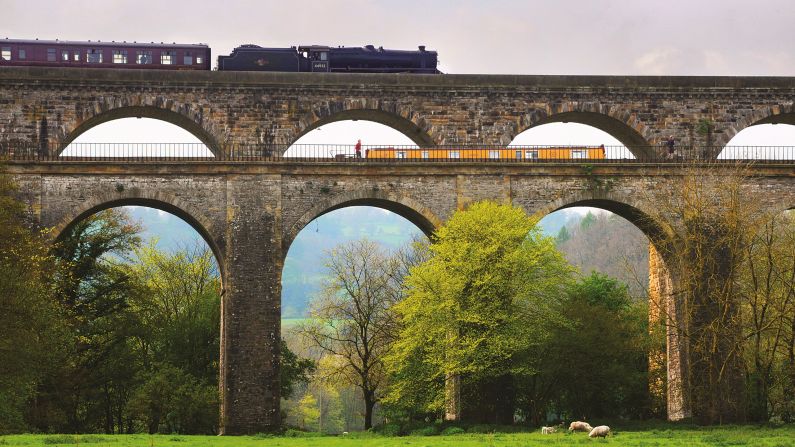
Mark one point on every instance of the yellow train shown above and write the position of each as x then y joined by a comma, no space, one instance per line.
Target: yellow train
508,153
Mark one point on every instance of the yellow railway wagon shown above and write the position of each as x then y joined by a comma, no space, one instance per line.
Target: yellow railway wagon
509,153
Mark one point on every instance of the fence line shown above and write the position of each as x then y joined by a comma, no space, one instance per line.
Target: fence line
196,152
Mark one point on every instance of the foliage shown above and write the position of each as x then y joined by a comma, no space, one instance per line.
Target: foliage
30,321
484,297
352,319
766,287
170,400
608,244
294,370
309,412
710,215
596,366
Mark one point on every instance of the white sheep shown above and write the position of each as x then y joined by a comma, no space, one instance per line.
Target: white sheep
548,430
580,426
599,432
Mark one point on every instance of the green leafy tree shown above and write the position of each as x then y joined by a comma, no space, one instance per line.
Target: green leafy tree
595,366
485,297
92,291
309,411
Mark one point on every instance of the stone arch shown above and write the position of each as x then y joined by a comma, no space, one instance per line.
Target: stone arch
186,116
152,199
665,302
406,207
618,204
402,119
622,124
777,114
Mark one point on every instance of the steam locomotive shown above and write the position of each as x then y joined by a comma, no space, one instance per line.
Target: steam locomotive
163,56
318,58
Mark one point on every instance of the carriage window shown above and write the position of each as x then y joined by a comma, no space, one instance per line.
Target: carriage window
5,53
579,153
454,154
531,155
65,55
94,56
143,57
199,59
167,57
52,55
23,54
518,155
119,56
494,154
425,154
77,56
187,59
323,56
400,154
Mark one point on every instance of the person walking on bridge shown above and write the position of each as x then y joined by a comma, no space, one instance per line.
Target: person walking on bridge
359,149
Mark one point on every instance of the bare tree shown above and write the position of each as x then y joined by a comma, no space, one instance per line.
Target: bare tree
352,318
706,216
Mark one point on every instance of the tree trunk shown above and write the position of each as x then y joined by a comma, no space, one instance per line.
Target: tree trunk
369,404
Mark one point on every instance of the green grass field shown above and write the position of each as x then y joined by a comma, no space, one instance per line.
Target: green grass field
670,436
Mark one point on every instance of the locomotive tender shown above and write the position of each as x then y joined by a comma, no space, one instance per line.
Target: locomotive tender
162,56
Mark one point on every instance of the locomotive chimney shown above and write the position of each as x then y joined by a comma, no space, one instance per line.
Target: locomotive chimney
422,47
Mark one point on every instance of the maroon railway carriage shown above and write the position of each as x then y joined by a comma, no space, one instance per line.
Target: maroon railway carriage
63,53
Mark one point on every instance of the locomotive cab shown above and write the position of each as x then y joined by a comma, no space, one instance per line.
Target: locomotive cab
318,57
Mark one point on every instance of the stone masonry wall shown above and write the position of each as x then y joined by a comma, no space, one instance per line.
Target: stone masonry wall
226,109
249,213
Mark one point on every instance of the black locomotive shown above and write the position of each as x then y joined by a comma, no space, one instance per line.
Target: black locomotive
318,58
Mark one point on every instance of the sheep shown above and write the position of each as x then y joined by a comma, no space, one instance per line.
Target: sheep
548,430
599,432
580,426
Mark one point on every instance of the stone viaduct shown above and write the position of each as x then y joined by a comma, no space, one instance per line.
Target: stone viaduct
250,212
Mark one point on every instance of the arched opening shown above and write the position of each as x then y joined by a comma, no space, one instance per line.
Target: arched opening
143,132
621,140
772,138
569,140
148,209
336,134
140,292
610,244
340,236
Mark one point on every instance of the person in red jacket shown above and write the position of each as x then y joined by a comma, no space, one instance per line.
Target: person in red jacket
359,149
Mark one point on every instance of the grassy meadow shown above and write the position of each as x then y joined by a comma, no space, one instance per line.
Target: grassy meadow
662,436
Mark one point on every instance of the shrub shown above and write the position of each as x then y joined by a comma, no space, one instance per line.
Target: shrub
449,431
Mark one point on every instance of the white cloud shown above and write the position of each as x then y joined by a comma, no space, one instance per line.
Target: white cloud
658,61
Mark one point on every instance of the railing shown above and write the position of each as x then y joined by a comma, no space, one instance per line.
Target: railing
189,152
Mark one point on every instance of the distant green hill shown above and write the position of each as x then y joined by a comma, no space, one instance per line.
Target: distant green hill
303,268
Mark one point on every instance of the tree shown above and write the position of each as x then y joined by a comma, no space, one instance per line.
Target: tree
30,322
595,365
92,291
294,370
766,288
484,298
352,318
707,216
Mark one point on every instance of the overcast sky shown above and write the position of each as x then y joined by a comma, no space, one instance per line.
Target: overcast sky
632,37
629,37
